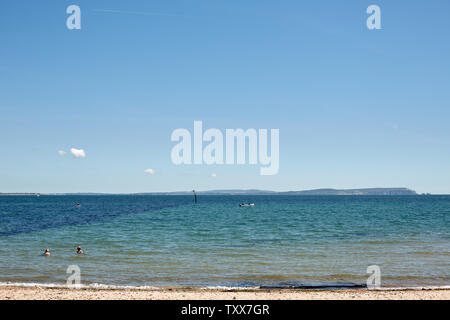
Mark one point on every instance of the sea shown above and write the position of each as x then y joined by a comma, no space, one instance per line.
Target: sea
160,241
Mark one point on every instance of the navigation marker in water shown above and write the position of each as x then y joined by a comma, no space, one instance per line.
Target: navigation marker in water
195,196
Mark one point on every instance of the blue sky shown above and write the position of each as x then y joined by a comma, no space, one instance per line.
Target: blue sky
355,108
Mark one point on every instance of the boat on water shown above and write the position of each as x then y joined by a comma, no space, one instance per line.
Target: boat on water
246,205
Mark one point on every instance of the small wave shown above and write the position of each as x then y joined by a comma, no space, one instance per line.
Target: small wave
94,286
412,288
228,288
321,286
100,286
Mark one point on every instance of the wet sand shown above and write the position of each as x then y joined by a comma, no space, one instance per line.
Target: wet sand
38,293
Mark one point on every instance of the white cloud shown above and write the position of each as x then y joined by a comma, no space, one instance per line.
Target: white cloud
150,171
213,175
78,153
62,153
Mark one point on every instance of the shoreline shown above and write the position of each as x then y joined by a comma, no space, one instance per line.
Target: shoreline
15,292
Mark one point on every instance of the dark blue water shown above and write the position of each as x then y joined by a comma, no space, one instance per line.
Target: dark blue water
282,241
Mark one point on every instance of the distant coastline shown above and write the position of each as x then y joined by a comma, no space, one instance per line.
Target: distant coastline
319,192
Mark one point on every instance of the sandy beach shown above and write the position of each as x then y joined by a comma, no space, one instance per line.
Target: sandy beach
39,293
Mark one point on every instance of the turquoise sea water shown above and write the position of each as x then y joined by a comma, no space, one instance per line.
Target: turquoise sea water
282,241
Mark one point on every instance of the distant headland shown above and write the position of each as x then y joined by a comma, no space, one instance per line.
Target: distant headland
318,192
343,192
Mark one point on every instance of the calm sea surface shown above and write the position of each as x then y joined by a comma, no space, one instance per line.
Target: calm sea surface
282,241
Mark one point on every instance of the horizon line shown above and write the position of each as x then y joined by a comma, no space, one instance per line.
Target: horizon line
222,191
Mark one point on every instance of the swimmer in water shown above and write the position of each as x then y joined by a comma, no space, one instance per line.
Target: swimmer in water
79,251
46,252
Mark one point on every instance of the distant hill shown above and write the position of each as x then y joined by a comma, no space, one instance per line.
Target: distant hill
362,192
318,192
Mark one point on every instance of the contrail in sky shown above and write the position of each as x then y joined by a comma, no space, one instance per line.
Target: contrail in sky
138,13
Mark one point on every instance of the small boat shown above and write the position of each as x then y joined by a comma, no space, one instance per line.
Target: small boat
246,205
